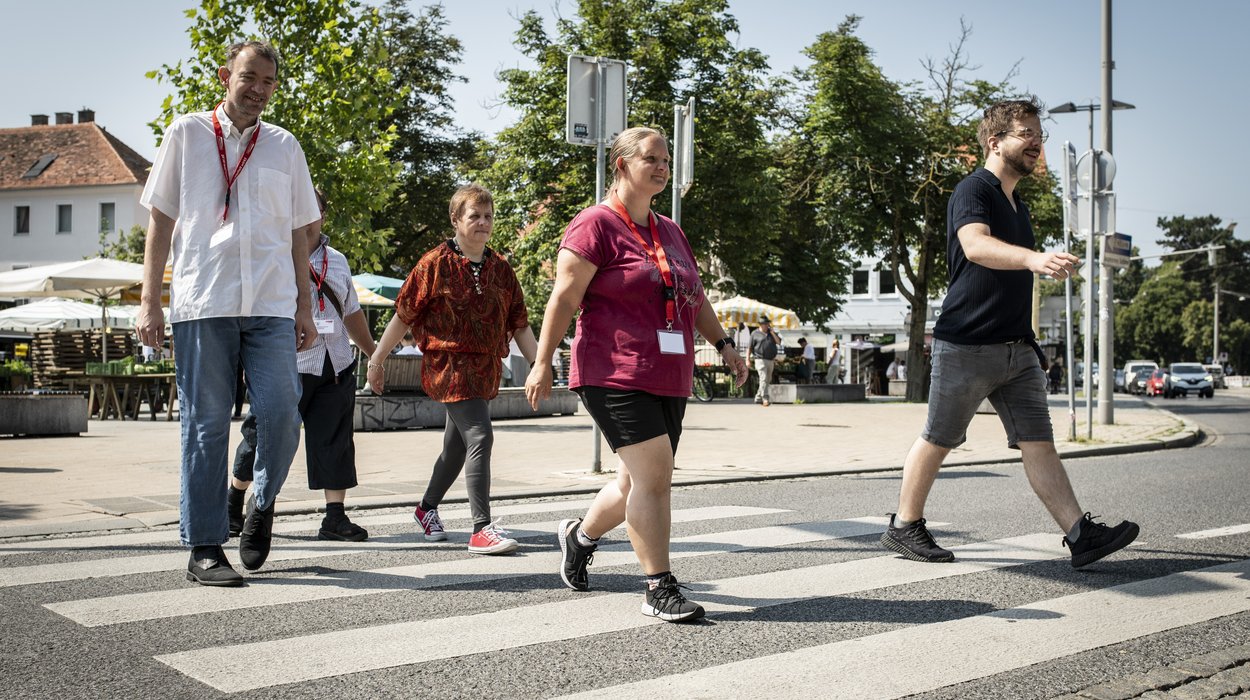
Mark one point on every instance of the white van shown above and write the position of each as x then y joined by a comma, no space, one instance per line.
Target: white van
1136,372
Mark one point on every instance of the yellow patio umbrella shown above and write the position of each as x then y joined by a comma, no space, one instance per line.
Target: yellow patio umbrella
737,310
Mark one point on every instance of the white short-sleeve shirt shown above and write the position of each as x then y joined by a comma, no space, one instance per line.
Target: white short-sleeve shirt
243,268
338,277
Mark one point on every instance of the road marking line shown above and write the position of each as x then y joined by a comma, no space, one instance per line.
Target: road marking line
337,653
170,537
968,648
1216,532
191,600
172,561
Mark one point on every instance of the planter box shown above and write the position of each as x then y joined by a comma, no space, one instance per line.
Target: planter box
43,414
396,412
816,393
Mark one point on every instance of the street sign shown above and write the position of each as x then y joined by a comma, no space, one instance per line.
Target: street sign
1117,248
581,112
1070,194
683,174
1085,167
1104,214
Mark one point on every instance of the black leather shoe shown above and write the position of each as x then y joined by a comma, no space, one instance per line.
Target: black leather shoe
234,511
208,567
342,530
256,535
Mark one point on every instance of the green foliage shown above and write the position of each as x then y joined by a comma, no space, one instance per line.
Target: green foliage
335,93
1151,327
14,368
675,50
128,246
429,148
1198,321
1237,337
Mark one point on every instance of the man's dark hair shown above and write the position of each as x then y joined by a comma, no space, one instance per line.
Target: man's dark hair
260,48
321,199
999,116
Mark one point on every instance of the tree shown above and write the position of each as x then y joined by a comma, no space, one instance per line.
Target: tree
429,148
334,93
675,50
1152,322
128,247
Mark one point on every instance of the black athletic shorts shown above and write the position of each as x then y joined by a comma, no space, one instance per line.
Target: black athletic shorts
630,417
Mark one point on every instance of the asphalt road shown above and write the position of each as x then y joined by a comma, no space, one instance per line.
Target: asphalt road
802,600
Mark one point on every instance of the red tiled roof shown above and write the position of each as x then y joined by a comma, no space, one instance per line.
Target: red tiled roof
86,155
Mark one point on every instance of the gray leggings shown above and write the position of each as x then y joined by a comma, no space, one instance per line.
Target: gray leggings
467,443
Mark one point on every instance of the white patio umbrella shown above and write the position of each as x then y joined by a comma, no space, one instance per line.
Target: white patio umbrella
60,314
96,278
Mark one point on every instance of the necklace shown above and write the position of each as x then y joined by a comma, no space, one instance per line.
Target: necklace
474,267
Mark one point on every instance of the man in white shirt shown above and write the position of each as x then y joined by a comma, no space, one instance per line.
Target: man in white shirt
231,197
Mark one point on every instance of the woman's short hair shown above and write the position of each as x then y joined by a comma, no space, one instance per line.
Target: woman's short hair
999,116
471,193
627,145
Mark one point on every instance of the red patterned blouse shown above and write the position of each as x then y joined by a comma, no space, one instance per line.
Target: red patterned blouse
461,323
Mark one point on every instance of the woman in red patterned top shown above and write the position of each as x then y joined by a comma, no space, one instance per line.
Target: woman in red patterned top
463,305
634,277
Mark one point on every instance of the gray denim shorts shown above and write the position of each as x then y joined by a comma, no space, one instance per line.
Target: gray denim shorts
1008,374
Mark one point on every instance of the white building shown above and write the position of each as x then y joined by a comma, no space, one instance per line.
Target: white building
61,184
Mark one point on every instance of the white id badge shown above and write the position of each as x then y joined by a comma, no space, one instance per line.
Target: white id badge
222,235
326,326
672,342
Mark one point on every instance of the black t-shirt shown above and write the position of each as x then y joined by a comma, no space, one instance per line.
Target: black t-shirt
985,306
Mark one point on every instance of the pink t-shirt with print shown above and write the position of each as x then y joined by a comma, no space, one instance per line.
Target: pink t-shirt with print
616,345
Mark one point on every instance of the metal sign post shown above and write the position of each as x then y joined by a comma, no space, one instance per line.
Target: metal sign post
1069,223
1095,170
594,116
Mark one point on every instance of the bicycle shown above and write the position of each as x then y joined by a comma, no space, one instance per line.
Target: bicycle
704,385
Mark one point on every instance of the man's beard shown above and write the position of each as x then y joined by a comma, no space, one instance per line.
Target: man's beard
1017,164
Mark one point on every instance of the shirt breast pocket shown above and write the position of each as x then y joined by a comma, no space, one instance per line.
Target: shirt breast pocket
274,200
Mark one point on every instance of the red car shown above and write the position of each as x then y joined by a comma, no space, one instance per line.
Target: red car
1156,383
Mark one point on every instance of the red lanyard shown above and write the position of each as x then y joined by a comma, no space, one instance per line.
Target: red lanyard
319,279
656,254
221,154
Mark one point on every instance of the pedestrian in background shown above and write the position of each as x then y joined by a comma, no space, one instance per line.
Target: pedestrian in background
764,346
634,277
238,194
463,305
984,347
327,373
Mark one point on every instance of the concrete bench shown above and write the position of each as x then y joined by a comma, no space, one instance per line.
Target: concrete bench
816,393
43,414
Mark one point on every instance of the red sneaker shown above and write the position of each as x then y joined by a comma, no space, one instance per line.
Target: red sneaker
431,523
491,540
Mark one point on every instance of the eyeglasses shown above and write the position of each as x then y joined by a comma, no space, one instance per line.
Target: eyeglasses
1025,135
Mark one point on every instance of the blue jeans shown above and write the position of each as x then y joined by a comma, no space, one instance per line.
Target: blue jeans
208,352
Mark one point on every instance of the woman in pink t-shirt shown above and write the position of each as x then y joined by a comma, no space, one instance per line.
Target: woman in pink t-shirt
633,275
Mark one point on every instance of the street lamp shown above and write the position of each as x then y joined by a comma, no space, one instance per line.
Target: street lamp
1070,108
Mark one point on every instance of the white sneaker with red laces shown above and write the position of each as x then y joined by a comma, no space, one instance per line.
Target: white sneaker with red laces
491,539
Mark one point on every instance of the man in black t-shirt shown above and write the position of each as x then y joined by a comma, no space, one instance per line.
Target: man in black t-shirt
983,345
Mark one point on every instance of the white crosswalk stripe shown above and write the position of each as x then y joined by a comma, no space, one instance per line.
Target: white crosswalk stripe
971,647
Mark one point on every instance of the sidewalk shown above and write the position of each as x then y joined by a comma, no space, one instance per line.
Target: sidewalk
124,474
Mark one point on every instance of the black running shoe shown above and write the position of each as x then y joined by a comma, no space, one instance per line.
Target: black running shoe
341,530
667,602
575,557
914,542
1097,540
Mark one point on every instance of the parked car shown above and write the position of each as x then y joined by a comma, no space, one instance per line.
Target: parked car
1184,377
1156,382
1119,380
1136,372
1217,376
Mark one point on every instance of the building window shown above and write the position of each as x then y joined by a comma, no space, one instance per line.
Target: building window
21,221
859,282
64,218
107,216
885,282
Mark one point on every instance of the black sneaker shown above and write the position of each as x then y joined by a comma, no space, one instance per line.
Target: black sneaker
234,511
209,567
667,602
1097,540
256,536
914,542
341,530
575,557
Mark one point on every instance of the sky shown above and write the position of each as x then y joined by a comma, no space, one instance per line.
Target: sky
1178,63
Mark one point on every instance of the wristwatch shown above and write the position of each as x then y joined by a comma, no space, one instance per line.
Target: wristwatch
720,344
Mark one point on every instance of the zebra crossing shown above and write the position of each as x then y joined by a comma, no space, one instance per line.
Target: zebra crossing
846,564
